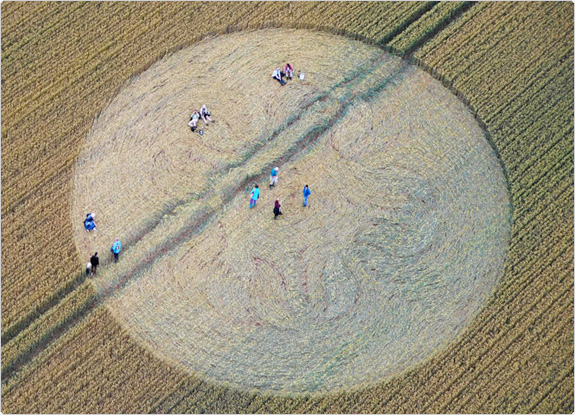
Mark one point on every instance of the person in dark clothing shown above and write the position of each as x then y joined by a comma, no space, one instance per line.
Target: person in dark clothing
95,261
277,209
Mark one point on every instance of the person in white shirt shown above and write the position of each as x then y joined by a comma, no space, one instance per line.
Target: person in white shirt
205,114
278,75
193,124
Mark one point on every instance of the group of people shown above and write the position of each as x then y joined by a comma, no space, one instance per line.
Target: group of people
92,266
255,194
90,223
288,71
204,114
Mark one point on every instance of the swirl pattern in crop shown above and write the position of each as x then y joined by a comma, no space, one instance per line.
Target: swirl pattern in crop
404,238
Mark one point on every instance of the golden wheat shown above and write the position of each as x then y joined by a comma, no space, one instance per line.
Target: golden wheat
63,64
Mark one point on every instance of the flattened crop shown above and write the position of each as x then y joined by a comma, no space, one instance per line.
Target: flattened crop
404,238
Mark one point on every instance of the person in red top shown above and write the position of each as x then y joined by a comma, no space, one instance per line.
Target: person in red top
277,208
288,70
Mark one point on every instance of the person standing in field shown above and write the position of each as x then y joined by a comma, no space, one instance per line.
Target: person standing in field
94,261
306,193
274,177
277,209
116,248
255,193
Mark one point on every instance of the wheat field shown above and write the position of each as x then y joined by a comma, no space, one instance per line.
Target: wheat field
431,272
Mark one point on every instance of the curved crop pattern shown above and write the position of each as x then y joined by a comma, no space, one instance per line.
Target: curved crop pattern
404,238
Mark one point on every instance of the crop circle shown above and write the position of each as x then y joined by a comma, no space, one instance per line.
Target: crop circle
404,238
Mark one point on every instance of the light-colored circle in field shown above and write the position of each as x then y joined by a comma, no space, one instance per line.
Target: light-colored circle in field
403,241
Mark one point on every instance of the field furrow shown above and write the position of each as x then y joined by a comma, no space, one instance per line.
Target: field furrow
520,85
73,50
468,353
502,50
459,26
546,162
550,376
399,13
449,380
24,23
527,202
551,402
174,396
64,353
19,350
490,357
100,345
507,398
32,51
502,130
477,37
534,125
414,12
546,330
416,34
106,52
555,209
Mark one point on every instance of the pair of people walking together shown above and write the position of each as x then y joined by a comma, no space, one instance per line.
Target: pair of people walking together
92,266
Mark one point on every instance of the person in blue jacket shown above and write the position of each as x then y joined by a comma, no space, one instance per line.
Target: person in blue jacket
255,195
274,177
306,193
89,223
116,248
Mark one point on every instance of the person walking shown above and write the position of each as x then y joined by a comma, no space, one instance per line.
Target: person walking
255,193
116,248
277,209
306,193
94,261
274,177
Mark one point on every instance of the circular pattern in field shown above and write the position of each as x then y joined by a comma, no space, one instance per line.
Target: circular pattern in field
403,240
